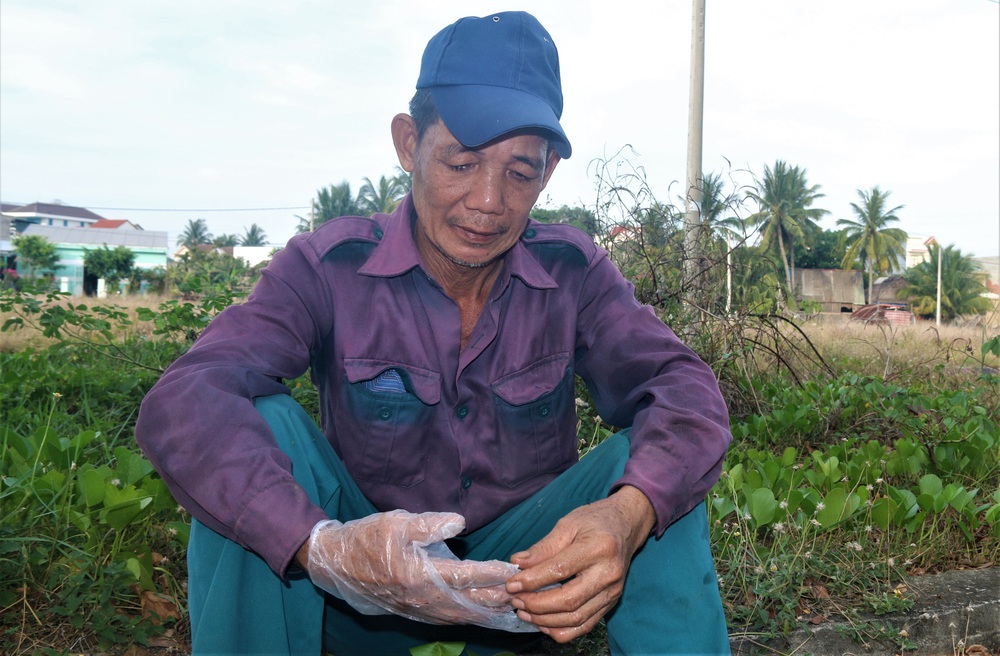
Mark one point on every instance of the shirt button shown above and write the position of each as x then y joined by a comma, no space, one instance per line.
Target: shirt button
378,232
466,483
544,411
529,233
384,413
462,412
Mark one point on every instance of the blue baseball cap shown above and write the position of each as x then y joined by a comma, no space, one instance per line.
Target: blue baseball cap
493,75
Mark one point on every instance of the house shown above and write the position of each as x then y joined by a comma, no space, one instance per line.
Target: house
918,249
115,224
835,290
50,214
150,248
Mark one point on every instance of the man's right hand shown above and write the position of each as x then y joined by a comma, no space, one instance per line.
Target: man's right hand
396,562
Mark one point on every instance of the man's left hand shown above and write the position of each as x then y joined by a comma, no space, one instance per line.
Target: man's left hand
589,552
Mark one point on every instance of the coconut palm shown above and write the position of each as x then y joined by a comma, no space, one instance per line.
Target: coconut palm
253,236
961,285
870,240
381,198
786,215
195,232
330,203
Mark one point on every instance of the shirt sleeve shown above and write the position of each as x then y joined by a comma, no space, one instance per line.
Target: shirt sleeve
642,376
199,428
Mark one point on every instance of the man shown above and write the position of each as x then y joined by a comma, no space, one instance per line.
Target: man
444,340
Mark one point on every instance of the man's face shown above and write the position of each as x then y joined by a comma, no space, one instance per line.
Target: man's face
472,203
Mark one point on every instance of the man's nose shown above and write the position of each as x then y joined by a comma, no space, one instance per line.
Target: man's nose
487,193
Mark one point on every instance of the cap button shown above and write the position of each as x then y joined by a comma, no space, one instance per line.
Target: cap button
378,232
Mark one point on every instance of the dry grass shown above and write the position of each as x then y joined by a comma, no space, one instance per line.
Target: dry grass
30,337
900,351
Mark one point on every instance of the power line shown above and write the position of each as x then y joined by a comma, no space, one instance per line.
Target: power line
217,209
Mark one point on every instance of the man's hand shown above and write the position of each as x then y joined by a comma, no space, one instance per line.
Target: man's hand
590,551
396,562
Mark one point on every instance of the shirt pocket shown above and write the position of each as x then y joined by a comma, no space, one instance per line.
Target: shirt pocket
391,408
536,420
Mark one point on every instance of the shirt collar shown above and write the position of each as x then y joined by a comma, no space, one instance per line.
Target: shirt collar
396,252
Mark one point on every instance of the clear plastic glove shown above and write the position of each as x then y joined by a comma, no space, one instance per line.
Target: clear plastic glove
396,562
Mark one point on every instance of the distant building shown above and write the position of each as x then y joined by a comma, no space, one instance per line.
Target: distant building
918,249
835,290
150,248
74,230
50,214
115,224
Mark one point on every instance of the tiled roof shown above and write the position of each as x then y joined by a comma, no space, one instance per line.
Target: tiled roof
52,209
111,224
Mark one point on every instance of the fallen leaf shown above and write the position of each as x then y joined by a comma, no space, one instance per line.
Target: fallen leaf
817,619
159,607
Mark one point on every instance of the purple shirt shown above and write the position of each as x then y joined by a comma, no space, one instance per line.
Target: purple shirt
420,424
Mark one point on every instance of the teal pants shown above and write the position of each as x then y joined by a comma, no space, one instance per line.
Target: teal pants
670,604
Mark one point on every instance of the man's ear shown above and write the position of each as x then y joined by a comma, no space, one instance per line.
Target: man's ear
404,138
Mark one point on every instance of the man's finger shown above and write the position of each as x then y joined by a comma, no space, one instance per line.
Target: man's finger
557,540
461,574
493,597
427,528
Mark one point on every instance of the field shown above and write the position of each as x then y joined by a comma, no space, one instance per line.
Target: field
861,453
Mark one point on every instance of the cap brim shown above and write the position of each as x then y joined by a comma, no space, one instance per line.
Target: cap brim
478,114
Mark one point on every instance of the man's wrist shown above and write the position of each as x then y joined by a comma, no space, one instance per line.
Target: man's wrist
639,511
301,559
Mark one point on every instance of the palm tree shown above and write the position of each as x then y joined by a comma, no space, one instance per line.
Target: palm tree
384,198
253,236
786,213
716,204
330,203
960,285
404,179
226,241
870,239
195,232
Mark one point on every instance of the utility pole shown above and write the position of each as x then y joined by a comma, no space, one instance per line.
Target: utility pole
693,241
312,215
937,304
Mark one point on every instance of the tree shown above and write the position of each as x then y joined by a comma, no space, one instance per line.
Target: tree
826,252
253,236
579,217
404,179
960,285
870,240
226,240
786,214
330,203
195,233
113,265
36,253
383,198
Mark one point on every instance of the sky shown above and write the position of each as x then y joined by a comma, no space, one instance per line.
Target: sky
195,106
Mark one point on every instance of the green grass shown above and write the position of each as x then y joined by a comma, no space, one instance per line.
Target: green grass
841,480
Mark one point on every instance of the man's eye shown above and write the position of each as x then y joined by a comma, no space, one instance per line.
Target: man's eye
461,167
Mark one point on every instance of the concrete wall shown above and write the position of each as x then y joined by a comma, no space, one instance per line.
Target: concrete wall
833,289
